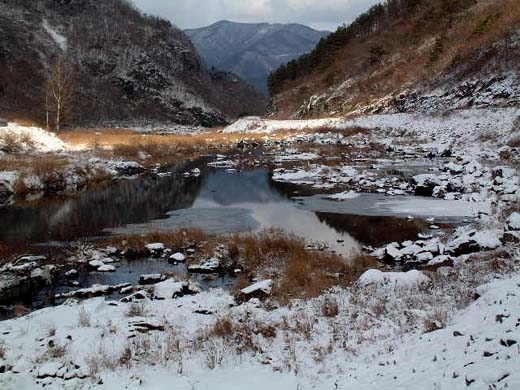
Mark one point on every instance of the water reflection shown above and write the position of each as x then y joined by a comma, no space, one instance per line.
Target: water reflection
235,202
218,202
110,205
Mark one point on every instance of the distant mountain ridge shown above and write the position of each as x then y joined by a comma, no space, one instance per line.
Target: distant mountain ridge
253,50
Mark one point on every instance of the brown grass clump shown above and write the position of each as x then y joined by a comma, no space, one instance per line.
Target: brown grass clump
297,272
223,328
42,166
135,245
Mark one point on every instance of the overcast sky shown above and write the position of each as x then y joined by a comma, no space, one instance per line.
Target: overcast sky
320,14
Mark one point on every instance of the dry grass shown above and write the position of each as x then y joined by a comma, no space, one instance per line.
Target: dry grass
39,166
135,245
161,148
298,272
269,254
417,49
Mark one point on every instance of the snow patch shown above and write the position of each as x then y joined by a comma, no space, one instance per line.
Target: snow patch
30,138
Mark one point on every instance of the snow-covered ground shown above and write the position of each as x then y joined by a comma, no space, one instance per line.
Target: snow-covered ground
398,330
29,139
452,325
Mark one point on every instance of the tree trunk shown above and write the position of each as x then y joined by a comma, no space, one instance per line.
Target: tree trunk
58,114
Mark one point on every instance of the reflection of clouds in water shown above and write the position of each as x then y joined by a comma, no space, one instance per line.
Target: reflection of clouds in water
304,224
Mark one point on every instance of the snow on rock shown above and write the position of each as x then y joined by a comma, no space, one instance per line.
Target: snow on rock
513,222
150,279
7,182
378,278
124,168
168,289
344,195
178,257
209,266
14,137
106,268
257,290
466,242
259,125
93,291
96,264
155,247
49,369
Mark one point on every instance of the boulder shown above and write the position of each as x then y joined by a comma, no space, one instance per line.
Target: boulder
155,249
167,289
137,296
425,184
170,289
210,266
259,290
177,258
513,222
106,268
95,264
392,253
150,279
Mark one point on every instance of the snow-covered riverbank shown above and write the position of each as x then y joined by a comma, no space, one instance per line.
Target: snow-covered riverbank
450,323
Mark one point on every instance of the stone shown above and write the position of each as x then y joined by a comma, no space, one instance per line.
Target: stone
106,268
150,279
178,257
513,222
209,266
258,290
95,264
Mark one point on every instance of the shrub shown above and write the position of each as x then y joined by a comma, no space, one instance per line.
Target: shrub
330,307
136,309
83,318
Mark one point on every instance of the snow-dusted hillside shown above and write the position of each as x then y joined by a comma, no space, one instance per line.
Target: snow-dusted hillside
122,66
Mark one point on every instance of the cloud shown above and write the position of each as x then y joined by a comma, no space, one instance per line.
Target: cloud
321,14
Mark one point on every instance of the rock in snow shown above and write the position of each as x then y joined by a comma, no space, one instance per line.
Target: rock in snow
513,222
378,278
178,257
258,290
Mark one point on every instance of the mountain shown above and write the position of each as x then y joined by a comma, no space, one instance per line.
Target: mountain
121,66
252,51
406,56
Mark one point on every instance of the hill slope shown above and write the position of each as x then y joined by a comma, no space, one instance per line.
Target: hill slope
408,55
122,66
252,51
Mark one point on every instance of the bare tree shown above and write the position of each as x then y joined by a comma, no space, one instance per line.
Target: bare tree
59,90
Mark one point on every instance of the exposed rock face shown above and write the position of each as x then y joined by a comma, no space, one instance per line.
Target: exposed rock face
252,51
123,66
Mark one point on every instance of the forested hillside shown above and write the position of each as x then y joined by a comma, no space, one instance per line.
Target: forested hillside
112,65
402,46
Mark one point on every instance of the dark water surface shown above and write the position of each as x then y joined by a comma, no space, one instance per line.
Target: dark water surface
218,202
